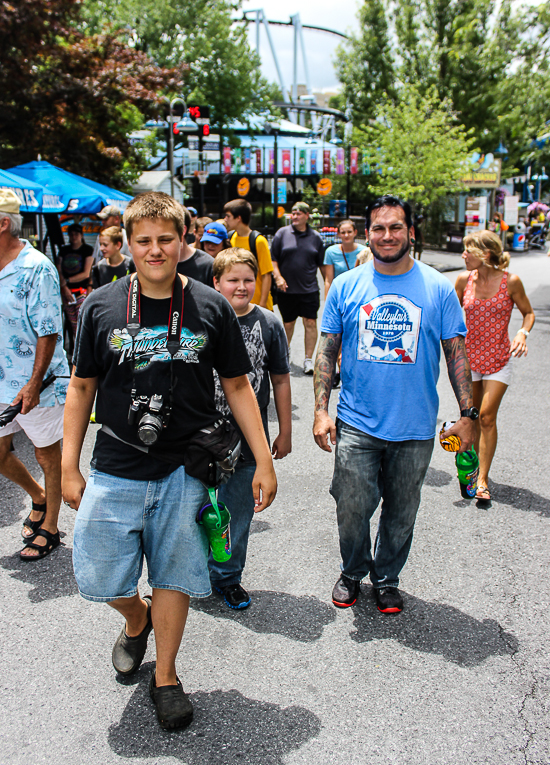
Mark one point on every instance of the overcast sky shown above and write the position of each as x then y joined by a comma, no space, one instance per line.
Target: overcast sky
320,46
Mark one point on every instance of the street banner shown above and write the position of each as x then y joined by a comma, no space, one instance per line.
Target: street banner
271,160
353,159
281,191
259,161
511,210
326,162
238,160
286,162
247,161
227,159
476,214
340,163
302,162
313,162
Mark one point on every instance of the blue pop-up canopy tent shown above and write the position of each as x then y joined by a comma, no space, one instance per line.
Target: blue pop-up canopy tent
29,192
67,192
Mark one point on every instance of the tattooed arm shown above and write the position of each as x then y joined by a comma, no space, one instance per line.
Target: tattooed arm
325,366
460,376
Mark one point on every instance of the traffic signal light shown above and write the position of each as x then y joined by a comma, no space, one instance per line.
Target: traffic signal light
206,129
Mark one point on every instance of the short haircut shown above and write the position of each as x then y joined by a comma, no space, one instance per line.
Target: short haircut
154,205
16,223
186,218
349,222
114,233
487,246
76,228
239,208
232,256
203,221
388,201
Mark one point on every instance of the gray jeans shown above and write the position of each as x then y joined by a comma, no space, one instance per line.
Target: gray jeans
366,470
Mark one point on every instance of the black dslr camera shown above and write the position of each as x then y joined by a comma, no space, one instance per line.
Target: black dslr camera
150,415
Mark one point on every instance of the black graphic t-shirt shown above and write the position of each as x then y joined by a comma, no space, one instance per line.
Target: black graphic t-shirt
72,262
104,273
198,267
265,340
210,339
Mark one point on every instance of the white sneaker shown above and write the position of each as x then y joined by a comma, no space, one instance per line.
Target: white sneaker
308,366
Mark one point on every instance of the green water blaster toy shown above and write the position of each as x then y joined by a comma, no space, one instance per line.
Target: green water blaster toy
214,517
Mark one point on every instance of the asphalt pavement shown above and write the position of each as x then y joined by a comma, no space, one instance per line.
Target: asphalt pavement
460,677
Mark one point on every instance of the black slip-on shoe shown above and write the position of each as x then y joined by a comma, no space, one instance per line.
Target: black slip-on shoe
345,592
128,652
388,600
235,596
173,705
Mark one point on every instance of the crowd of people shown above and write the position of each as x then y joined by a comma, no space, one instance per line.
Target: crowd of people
177,346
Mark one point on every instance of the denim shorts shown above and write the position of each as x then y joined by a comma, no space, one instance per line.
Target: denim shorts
120,521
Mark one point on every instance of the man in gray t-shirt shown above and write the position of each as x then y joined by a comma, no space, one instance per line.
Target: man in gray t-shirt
297,252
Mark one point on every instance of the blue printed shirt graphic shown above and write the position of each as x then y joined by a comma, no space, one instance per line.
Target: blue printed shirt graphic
150,345
30,308
392,327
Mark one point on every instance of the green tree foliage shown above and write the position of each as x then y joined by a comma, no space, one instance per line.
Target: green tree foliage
366,66
71,98
201,39
417,147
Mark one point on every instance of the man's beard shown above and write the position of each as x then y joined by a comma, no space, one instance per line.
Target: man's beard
390,258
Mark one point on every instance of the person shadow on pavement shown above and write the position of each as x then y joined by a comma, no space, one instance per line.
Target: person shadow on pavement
436,628
52,578
302,618
227,727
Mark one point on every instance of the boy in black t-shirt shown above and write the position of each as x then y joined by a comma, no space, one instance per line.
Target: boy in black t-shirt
235,272
135,504
114,265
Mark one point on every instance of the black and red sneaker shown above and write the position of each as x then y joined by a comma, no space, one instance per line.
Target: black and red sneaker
345,592
388,600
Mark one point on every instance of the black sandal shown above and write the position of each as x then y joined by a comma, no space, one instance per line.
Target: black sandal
52,541
34,525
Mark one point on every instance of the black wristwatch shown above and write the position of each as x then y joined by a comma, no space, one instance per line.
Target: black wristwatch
472,413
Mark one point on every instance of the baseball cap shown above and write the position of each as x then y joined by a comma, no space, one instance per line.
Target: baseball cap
109,210
301,206
214,232
193,211
9,201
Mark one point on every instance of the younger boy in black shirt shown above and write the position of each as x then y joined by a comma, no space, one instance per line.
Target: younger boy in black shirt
114,264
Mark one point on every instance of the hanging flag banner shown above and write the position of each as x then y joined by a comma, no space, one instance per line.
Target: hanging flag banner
286,161
259,161
353,158
302,162
326,162
247,161
271,160
313,162
238,160
281,191
227,159
365,168
340,163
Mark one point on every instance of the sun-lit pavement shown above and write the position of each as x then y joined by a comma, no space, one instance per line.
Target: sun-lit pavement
460,677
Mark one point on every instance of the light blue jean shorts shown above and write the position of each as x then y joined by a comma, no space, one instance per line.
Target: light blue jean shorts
120,521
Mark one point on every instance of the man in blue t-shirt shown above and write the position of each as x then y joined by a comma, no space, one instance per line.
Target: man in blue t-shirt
389,316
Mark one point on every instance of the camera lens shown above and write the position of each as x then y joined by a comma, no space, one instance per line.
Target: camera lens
149,429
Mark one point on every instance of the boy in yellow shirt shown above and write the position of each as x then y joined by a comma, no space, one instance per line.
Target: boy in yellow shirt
237,215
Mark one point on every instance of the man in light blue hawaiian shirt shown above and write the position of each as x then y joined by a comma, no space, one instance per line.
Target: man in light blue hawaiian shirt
31,348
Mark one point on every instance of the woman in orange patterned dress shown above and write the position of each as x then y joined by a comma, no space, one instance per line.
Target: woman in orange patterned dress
488,294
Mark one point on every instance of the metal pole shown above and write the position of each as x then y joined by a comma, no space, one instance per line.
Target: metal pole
258,32
275,180
284,91
171,152
348,184
201,167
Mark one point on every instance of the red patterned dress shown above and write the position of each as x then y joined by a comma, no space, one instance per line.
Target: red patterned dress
487,341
